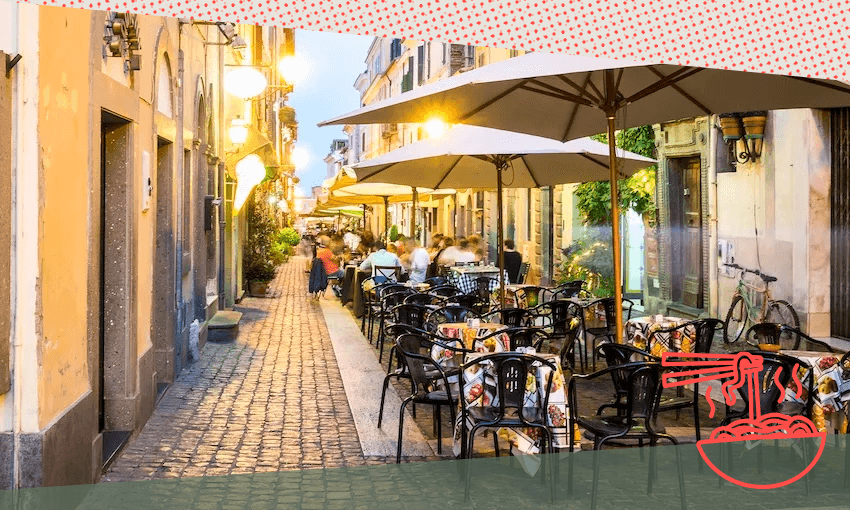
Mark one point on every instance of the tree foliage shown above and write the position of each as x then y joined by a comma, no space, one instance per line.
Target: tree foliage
590,257
635,193
259,251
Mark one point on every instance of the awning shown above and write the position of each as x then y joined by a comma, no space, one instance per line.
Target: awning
255,143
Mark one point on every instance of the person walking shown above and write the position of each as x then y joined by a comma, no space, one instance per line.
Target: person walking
513,261
416,261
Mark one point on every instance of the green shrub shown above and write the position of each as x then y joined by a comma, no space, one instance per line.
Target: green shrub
289,236
394,233
259,260
590,259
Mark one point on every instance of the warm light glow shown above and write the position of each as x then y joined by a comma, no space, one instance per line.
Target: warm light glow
283,206
435,127
245,82
272,200
250,171
300,158
238,131
291,69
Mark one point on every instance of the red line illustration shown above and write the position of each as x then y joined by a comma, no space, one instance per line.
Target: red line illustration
736,370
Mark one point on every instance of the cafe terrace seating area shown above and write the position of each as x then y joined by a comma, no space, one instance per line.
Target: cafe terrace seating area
545,373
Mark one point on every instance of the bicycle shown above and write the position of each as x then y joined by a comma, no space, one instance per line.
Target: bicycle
745,311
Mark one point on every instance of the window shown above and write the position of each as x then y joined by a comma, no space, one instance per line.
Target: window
514,53
395,49
429,59
444,52
481,61
376,65
420,65
407,80
363,143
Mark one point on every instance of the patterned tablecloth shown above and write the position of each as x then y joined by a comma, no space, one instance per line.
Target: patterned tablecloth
463,277
832,389
479,388
638,332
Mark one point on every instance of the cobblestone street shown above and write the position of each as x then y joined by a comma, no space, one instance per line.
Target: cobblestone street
272,400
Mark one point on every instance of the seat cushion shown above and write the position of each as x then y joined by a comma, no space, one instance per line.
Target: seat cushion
613,425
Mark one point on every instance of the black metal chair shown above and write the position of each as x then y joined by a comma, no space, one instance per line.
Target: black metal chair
424,373
511,371
436,281
369,301
637,420
448,314
393,273
775,367
565,290
609,329
446,291
512,317
528,297
469,301
523,272
787,337
389,300
704,331
562,318
526,337
401,371
484,286
774,377
424,300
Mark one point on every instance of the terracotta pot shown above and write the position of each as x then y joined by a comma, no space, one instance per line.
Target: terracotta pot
258,289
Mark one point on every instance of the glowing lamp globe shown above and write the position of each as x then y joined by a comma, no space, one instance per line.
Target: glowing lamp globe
435,128
245,82
250,171
238,131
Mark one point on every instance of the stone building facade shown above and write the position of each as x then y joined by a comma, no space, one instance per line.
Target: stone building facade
113,139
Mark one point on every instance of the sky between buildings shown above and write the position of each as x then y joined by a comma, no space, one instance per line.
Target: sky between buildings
332,63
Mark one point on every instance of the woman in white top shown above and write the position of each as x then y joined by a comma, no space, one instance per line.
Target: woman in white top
417,260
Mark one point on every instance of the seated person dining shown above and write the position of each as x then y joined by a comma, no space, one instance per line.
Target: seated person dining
380,258
330,261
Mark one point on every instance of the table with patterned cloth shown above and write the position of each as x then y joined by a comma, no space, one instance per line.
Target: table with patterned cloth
479,387
639,330
463,277
832,389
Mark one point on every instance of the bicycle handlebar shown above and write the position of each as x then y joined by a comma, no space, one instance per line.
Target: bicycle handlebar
753,271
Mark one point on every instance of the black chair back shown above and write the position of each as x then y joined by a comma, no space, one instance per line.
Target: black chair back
467,300
523,272
526,337
390,272
483,286
414,351
802,341
424,299
449,314
529,297
704,330
410,314
514,317
511,370
775,367
436,281
444,291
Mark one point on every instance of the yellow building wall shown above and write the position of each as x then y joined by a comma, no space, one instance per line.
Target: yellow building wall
64,142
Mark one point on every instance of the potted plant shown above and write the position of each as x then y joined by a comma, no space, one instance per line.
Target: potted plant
259,258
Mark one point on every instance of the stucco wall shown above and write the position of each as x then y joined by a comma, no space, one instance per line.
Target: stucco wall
64,144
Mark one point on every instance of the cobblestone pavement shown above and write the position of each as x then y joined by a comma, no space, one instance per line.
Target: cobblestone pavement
272,400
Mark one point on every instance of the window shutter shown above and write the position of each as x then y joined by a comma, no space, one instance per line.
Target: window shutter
420,65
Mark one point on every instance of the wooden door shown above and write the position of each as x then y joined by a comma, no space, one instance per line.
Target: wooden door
840,223
686,247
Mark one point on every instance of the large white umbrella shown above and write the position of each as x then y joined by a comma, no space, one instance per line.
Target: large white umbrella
477,157
565,97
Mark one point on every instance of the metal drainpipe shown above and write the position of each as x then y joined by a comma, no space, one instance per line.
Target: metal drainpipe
222,172
181,171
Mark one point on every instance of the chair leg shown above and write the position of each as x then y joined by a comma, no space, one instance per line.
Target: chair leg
401,428
681,472
439,430
495,441
383,397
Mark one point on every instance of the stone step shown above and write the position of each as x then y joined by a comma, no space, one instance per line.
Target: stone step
224,326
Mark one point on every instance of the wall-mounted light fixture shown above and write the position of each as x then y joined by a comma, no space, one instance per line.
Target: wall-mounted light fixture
747,127
238,131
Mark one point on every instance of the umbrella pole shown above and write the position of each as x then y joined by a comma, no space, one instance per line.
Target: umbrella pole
615,227
386,220
364,217
413,214
500,227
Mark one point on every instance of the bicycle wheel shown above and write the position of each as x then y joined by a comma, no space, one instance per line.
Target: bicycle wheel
736,321
780,312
